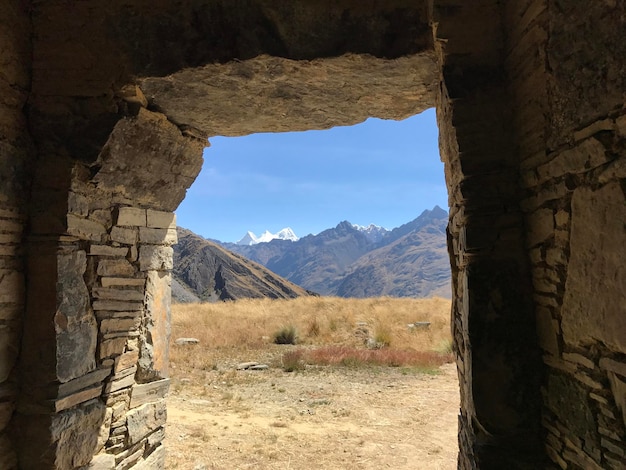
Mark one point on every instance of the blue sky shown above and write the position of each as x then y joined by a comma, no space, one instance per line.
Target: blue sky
381,172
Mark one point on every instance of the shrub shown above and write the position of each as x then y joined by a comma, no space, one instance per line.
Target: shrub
286,335
292,361
313,328
382,336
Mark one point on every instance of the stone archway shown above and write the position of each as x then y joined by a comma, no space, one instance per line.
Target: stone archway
106,108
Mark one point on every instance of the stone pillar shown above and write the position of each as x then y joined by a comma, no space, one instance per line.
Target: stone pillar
493,325
94,360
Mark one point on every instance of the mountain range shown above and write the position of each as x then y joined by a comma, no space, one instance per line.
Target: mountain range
347,260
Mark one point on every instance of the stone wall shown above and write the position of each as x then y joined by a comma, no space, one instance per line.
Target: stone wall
568,71
15,153
94,358
533,134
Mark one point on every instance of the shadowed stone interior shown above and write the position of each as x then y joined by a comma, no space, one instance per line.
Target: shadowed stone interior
105,108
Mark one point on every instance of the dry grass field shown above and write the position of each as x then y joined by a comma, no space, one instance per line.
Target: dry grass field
359,389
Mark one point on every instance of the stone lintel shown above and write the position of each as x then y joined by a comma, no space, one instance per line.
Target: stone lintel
148,393
131,217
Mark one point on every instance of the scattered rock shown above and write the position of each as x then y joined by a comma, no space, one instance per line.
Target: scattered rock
185,341
252,366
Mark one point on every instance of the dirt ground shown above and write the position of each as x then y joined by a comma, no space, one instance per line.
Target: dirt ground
320,418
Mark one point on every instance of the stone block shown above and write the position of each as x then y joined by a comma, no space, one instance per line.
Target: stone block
567,399
75,324
105,250
597,126
77,204
620,124
77,398
587,155
540,226
158,236
125,361
160,219
11,226
126,236
129,458
149,393
614,366
75,433
118,324
131,217
117,294
112,347
9,349
102,462
86,381
155,460
85,229
154,344
157,258
11,286
10,238
618,388
122,282
117,305
547,331
145,420
594,298
579,359
115,268
6,411
119,384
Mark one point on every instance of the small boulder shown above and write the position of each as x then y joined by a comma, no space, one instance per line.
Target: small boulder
185,341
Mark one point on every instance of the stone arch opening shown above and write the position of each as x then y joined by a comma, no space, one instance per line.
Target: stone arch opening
532,118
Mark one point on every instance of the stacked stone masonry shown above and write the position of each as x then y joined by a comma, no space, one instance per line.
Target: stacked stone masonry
103,121
573,169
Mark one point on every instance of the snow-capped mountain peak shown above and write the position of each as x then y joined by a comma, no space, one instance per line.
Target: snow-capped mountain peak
251,239
373,232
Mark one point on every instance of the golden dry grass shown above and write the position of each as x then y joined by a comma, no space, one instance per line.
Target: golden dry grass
245,328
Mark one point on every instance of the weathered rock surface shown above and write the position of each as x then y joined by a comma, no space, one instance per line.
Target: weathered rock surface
216,274
291,95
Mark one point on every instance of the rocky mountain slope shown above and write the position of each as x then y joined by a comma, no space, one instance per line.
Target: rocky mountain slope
347,261
408,261
204,271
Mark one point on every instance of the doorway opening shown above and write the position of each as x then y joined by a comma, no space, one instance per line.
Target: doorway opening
241,394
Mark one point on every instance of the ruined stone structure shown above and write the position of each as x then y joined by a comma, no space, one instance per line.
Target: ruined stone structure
105,108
